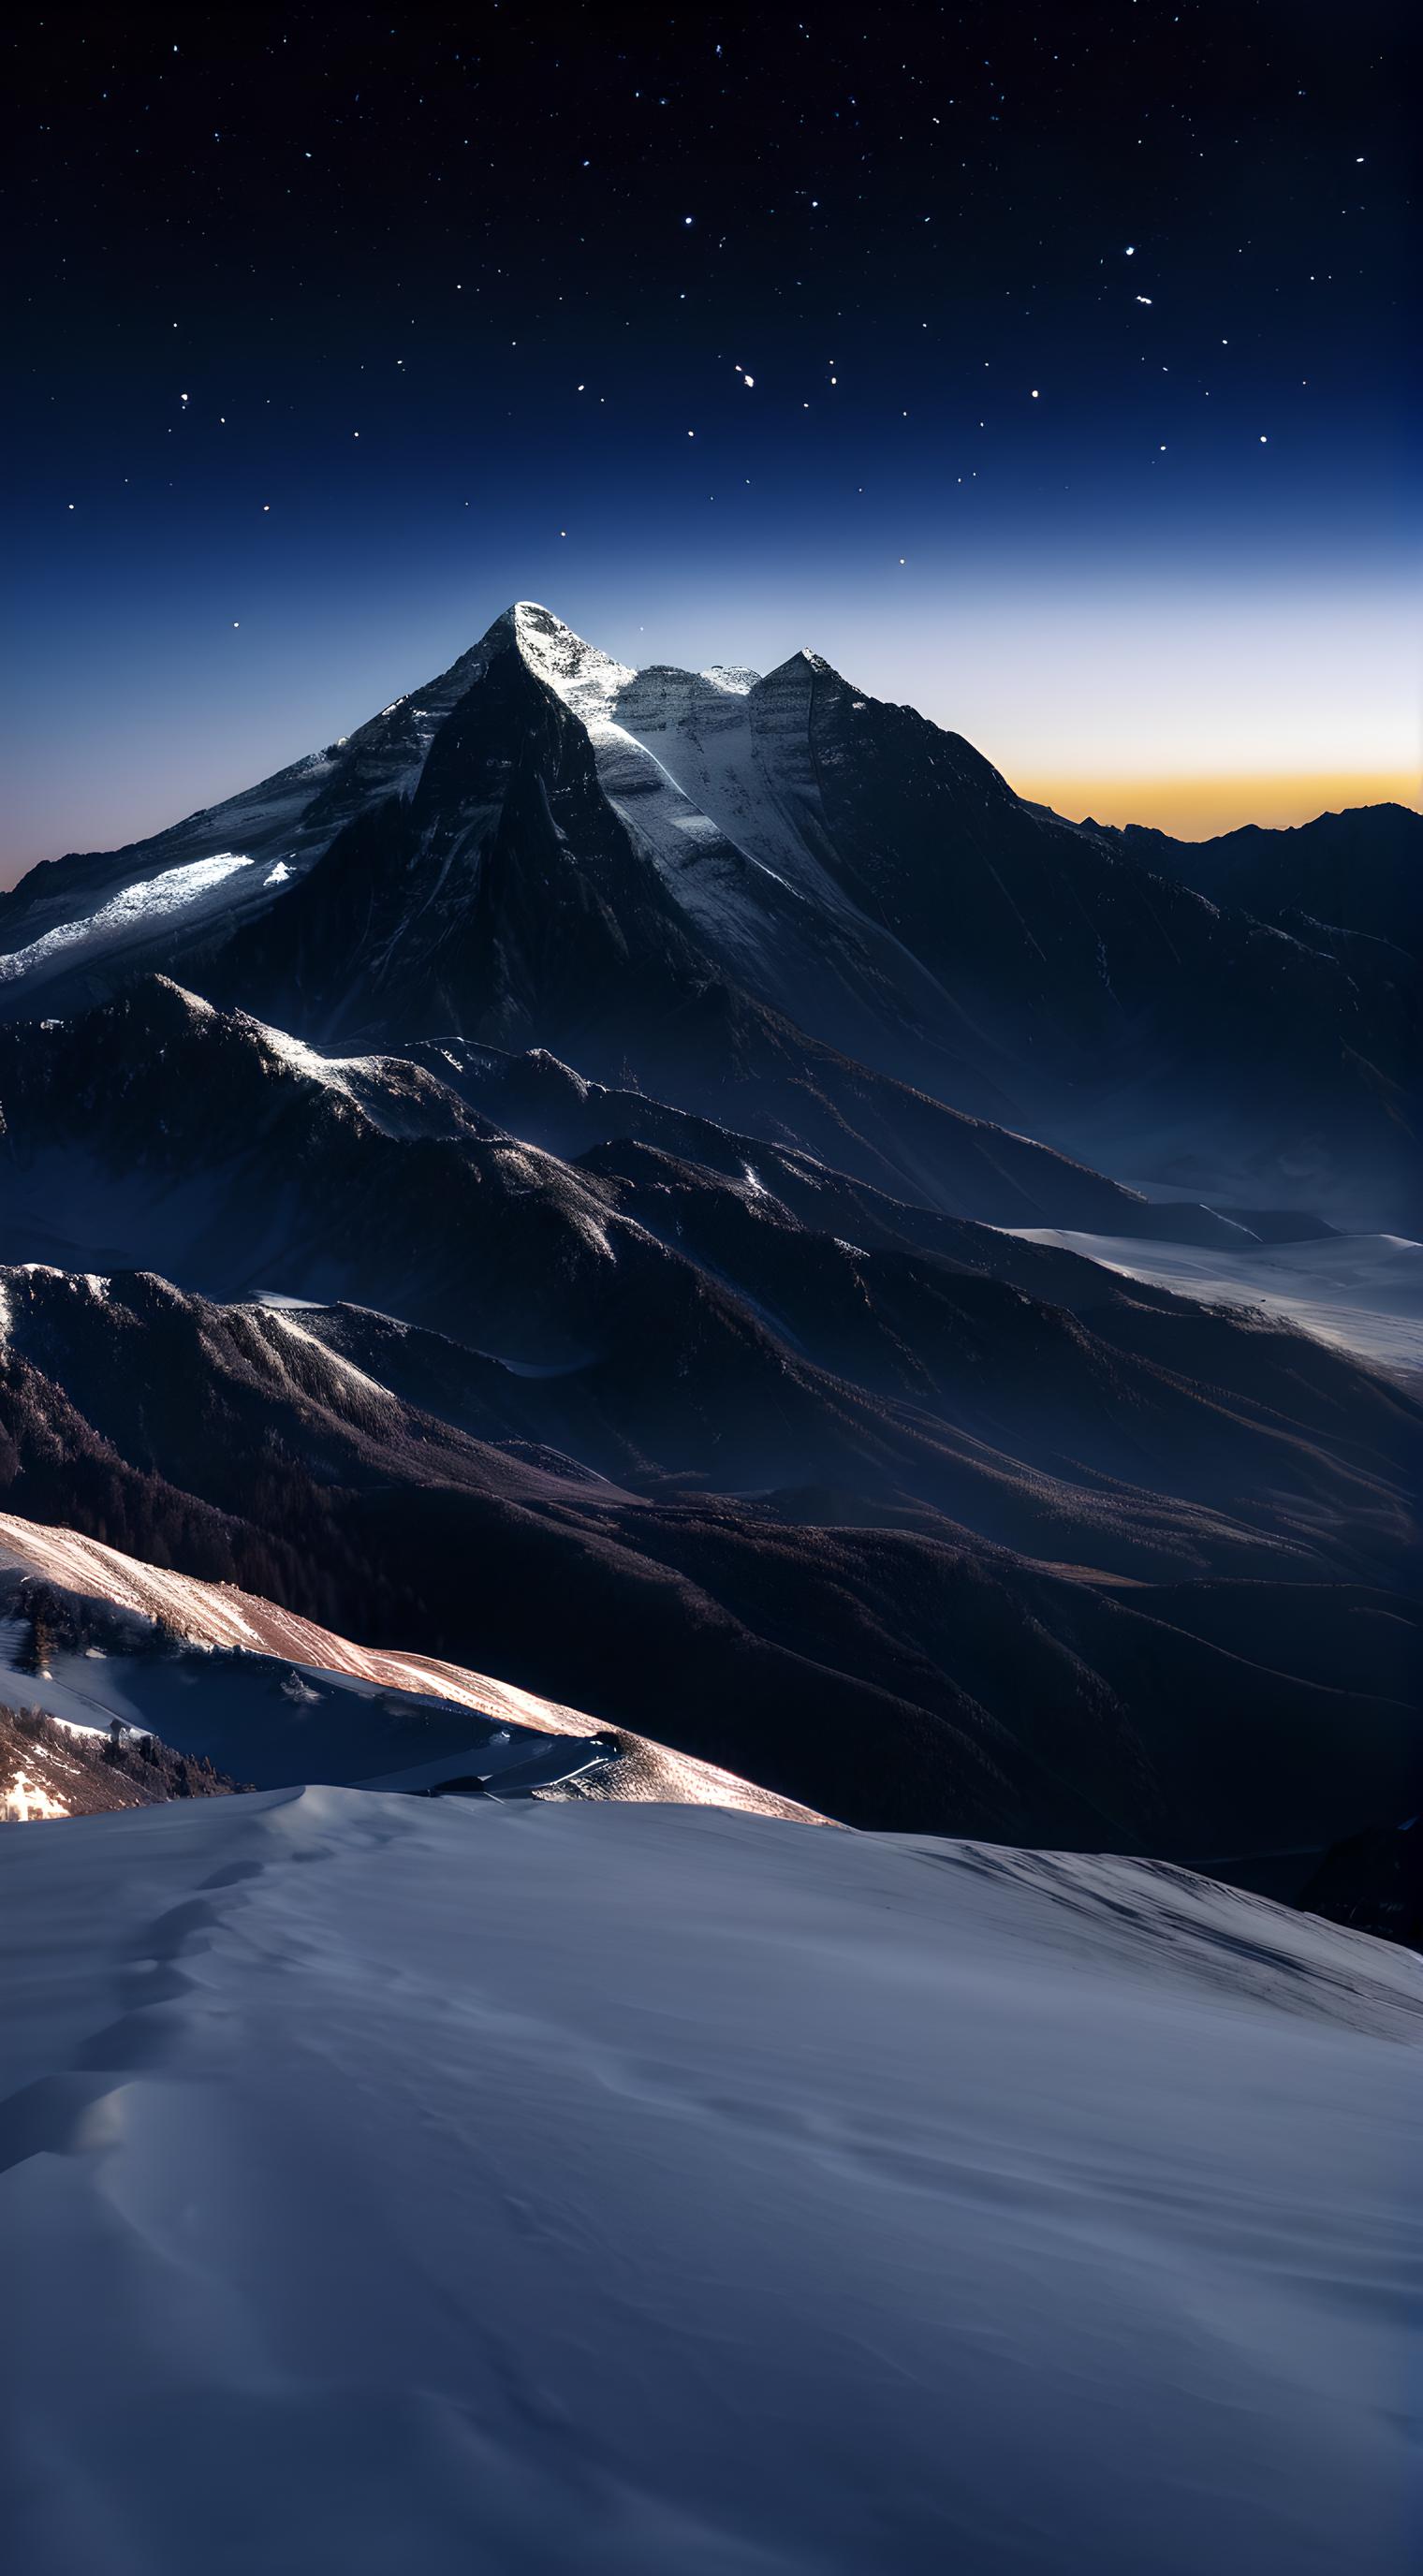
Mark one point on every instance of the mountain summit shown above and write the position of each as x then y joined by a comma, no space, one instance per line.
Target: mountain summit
768,891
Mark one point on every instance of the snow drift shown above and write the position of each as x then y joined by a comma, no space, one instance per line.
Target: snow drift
638,2189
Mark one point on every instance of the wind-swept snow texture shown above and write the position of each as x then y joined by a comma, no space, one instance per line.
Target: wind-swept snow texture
669,2193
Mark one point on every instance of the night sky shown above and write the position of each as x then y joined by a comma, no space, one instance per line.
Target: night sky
1044,367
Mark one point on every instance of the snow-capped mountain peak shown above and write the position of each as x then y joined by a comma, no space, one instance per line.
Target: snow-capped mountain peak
587,679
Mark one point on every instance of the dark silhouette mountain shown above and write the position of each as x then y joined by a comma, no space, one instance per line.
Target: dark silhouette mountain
1373,1881
1360,871
777,904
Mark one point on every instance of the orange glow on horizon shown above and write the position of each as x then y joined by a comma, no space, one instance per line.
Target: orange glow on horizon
1193,808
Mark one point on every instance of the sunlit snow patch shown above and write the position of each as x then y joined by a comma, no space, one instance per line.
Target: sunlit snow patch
132,909
28,1802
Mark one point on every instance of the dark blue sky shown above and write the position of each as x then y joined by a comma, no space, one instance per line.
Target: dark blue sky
1077,409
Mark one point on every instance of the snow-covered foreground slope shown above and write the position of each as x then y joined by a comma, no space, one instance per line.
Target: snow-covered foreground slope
405,2188
1363,1292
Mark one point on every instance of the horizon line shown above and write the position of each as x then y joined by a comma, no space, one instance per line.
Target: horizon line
1200,805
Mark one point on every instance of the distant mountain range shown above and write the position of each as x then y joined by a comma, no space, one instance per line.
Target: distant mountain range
551,1182
1356,875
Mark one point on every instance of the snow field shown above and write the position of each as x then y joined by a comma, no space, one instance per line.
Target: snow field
638,2189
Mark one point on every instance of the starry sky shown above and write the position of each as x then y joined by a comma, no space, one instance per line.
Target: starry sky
1046,368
